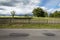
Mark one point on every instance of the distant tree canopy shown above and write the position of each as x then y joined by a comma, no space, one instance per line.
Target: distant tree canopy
26,15
55,14
39,12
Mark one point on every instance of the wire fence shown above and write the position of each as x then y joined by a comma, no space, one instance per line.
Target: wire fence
25,21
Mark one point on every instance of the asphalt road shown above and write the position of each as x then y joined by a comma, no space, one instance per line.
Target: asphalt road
29,34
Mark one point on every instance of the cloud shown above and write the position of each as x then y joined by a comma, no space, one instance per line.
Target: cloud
50,5
53,10
26,6
2,9
22,2
20,6
7,3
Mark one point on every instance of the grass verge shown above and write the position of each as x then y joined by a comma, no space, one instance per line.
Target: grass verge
31,26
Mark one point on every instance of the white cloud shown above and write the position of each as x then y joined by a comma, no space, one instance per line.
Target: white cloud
53,10
50,10
25,6
5,0
44,8
20,6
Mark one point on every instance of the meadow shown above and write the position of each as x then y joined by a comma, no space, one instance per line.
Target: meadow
33,23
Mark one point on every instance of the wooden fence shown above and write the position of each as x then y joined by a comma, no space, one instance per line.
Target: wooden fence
27,20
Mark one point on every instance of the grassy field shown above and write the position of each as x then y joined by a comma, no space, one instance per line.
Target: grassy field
32,26
14,17
34,18
45,18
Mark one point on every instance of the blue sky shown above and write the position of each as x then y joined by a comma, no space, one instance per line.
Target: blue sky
50,3
26,6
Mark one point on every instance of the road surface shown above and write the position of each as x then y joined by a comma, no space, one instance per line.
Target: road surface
29,34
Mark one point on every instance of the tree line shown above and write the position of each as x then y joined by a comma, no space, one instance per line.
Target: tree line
39,12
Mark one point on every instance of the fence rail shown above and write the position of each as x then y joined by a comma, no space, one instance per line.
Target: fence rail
9,20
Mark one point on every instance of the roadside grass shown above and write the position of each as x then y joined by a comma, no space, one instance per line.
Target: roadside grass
31,26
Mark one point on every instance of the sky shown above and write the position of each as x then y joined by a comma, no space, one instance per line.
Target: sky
26,6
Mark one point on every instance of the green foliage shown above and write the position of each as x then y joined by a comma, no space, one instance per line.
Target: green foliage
13,13
39,12
26,15
31,26
51,15
55,14
46,14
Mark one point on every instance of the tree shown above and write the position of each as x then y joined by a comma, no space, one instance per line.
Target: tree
55,14
13,14
51,15
39,12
